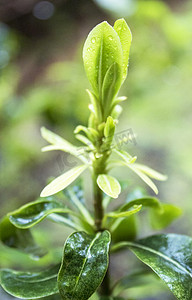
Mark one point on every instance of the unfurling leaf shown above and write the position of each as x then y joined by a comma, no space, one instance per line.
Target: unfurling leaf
170,257
26,285
101,50
109,185
125,36
84,265
20,239
62,181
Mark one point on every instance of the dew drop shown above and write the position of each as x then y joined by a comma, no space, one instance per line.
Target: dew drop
110,37
119,27
93,40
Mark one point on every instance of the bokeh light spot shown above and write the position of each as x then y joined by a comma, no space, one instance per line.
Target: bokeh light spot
43,10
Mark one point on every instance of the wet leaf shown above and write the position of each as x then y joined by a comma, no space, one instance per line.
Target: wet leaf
85,262
20,239
125,36
34,212
27,285
101,50
170,257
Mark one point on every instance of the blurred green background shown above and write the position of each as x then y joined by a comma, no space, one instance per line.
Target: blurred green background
42,83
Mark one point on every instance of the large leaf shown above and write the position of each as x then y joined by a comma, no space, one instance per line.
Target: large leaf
109,185
26,285
62,181
84,265
170,257
125,36
101,50
34,212
20,239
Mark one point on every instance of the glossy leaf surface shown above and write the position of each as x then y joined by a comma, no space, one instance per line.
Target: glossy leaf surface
101,50
109,185
62,181
170,257
125,36
26,285
20,239
84,265
34,212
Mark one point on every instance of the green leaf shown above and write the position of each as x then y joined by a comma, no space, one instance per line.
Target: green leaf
119,216
58,142
170,257
150,172
111,86
34,212
145,201
144,177
96,107
73,196
26,285
109,185
62,181
161,218
20,239
125,156
84,265
135,279
102,49
126,230
125,36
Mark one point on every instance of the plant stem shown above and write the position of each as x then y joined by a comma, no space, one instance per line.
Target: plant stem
99,167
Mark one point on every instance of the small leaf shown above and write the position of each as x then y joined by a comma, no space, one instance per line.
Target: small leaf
62,181
102,48
109,129
161,218
83,139
145,201
120,216
96,106
58,142
144,177
26,285
34,212
20,239
170,257
117,214
125,36
150,172
109,185
125,156
84,265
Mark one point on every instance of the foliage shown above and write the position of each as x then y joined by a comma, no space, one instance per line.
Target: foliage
84,270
